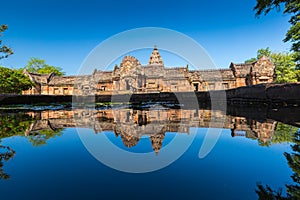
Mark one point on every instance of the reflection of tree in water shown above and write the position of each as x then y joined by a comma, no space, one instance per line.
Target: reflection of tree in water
283,133
20,124
6,153
40,137
293,159
294,163
11,125
14,124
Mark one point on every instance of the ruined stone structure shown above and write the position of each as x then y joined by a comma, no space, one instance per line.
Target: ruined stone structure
130,125
132,77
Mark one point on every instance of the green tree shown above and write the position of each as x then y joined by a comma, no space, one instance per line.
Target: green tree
5,51
13,81
37,65
260,52
251,60
291,7
264,52
285,65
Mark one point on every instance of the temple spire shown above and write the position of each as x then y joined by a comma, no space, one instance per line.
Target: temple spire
156,141
155,58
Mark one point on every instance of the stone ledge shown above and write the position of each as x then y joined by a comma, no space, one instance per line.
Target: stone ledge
277,94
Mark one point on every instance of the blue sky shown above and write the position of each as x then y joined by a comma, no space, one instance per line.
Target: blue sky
64,32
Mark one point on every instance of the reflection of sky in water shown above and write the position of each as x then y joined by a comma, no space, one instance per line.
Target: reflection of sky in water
64,169
61,167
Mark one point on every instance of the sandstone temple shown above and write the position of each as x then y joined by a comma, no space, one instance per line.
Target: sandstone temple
133,77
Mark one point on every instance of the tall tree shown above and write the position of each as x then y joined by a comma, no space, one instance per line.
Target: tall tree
5,51
260,53
264,52
39,66
291,7
285,67
13,81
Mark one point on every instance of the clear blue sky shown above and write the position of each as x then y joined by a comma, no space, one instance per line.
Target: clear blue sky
64,32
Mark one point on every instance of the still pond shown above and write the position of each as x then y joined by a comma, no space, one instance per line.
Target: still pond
153,152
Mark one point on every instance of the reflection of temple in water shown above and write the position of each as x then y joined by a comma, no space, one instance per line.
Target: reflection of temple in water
131,124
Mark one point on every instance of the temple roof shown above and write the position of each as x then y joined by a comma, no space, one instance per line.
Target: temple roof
176,73
129,66
62,80
103,76
212,75
241,69
155,58
227,74
39,78
154,70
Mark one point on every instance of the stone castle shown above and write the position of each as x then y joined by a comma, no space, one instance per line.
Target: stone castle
132,77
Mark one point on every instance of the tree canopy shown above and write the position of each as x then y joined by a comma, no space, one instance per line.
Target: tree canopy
5,51
39,66
285,65
13,81
291,7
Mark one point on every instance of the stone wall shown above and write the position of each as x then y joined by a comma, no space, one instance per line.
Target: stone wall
280,94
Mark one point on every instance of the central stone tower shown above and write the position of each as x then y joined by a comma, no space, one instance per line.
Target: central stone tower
155,58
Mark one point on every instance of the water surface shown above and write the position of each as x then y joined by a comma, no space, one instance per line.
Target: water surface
43,155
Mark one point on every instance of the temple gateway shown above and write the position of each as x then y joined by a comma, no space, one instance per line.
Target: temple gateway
132,77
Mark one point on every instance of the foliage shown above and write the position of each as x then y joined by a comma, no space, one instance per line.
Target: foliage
14,124
6,153
264,143
267,193
284,133
285,65
39,66
264,52
291,7
293,190
19,124
251,60
13,81
5,51
11,125
294,163
40,137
